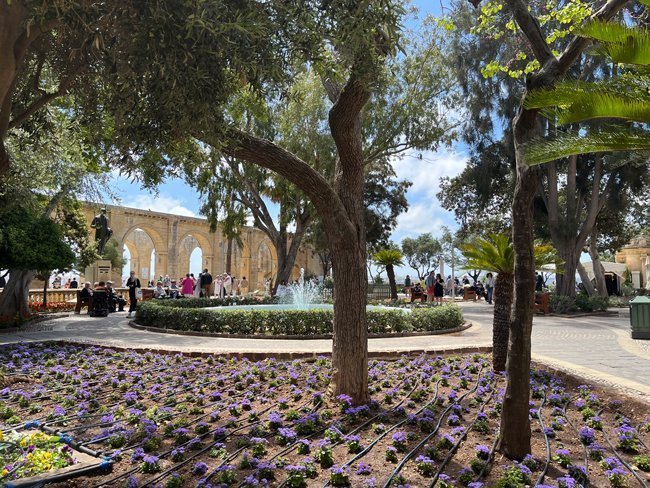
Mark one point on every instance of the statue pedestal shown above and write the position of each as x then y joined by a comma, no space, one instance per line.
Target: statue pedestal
100,271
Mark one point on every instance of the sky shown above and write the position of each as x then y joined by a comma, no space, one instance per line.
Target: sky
424,214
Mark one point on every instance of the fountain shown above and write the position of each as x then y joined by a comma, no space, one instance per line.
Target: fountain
303,294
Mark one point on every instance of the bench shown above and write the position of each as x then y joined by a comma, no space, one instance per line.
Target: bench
469,294
418,296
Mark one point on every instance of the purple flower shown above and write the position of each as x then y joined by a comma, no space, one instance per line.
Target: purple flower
482,452
363,469
200,468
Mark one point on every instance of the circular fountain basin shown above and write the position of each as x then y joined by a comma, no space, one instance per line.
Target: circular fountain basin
291,306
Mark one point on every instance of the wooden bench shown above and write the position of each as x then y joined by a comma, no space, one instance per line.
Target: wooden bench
469,294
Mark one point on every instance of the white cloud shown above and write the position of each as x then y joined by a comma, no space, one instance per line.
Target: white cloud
158,203
425,213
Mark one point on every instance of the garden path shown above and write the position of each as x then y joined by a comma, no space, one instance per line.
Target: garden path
598,348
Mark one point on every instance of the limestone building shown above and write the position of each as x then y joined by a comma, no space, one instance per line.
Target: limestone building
165,243
636,257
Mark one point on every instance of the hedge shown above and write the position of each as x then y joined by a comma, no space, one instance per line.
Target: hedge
289,322
581,302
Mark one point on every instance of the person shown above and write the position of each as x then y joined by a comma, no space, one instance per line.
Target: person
407,285
235,286
282,289
227,284
133,284
74,284
480,291
159,292
438,289
429,283
489,287
449,285
206,282
539,281
267,287
173,289
218,286
197,286
100,286
465,280
111,298
67,284
167,281
243,286
85,297
57,282
187,286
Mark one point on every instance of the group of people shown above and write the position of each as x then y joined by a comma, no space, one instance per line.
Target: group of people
203,286
114,301
435,287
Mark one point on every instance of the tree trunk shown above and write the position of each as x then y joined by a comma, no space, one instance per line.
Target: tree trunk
325,262
350,340
503,290
14,300
586,281
514,439
390,271
45,291
229,256
566,282
599,270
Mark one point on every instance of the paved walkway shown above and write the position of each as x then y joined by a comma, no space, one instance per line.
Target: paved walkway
597,348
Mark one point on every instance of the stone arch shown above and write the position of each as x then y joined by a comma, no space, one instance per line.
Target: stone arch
265,263
144,256
203,242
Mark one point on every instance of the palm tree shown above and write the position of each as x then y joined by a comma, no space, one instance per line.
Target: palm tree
625,99
496,254
389,258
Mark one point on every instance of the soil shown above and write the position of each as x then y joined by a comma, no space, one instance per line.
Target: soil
127,404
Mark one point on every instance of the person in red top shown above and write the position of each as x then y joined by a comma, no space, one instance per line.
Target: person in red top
187,286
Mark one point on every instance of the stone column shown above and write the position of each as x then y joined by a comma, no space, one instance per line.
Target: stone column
162,265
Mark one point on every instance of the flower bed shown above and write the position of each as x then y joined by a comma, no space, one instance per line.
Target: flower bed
51,307
165,315
173,421
26,454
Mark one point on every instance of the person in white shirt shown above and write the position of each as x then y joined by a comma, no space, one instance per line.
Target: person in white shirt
227,283
281,290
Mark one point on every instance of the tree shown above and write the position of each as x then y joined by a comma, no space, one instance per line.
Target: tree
28,241
389,258
496,254
422,254
514,439
347,43
48,172
48,51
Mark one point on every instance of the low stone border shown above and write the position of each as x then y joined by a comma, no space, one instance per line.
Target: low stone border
583,314
281,355
161,330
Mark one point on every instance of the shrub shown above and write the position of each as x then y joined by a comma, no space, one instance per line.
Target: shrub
561,304
165,314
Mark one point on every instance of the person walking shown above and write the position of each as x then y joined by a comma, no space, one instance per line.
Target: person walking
133,284
187,286
438,289
489,287
430,283
407,285
206,282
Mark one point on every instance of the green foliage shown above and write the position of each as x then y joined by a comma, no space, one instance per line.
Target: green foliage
581,302
422,253
643,462
30,242
624,98
388,257
165,314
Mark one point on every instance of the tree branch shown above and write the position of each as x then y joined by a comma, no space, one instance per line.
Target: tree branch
268,155
532,30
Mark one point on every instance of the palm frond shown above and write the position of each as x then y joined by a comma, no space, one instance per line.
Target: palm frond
621,139
577,101
621,43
